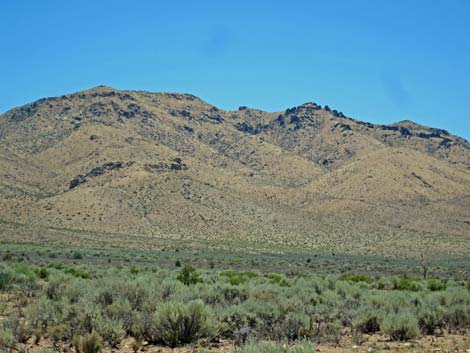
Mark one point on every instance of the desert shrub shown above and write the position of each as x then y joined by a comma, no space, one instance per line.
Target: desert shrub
57,333
269,347
77,255
6,280
42,272
134,270
21,329
406,284
368,321
44,313
357,278
457,316
290,327
89,343
331,332
111,331
275,278
76,272
236,278
188,276
6,337
233,318
177,323
429,319
400,327
436,285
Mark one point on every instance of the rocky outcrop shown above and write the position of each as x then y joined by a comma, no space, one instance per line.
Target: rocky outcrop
174,165
97,171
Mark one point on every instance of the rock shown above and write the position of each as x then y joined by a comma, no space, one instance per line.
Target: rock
188,129
405,132
294,119
97,171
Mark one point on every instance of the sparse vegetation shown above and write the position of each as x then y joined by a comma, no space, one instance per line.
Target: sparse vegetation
180,306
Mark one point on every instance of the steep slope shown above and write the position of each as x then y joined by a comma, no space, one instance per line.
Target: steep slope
171,165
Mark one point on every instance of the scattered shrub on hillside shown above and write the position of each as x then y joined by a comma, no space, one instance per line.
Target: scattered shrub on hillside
400,327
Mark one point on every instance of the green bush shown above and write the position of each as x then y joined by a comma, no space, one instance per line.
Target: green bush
236,278
436,285
400,327
6,280
178,324
188,276
77,255
357,278
6,338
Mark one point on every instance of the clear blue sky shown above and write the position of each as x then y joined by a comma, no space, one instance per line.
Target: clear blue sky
380,61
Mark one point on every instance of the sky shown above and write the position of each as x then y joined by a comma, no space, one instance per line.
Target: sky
376,60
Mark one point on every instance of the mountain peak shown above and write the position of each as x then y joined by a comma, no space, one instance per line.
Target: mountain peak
155,163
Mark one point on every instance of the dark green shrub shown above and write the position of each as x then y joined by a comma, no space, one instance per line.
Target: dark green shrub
436,285
278,279
6,280
406,284
77,273
7,256
236,278
77,255
188,275
400,327
42,272
357,278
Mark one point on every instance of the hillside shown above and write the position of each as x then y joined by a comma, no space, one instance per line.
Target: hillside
167,165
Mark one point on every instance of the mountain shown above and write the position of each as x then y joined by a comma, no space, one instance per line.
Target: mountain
169,165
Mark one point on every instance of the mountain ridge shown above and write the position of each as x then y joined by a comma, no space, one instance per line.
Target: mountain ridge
170,164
